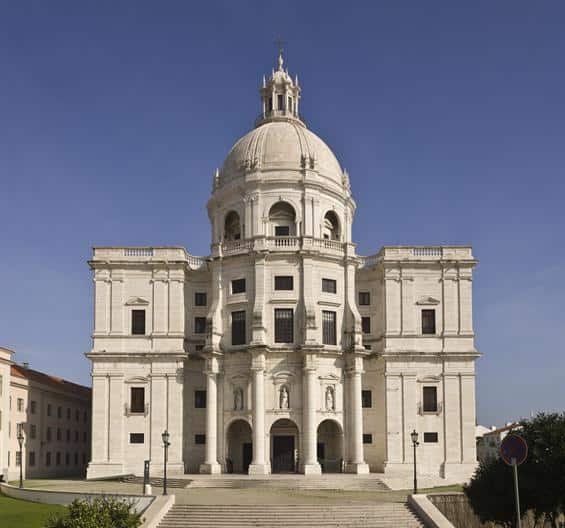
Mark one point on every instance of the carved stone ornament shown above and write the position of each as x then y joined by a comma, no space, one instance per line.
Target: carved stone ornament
238,399
427,301
284,398
137,301
330,399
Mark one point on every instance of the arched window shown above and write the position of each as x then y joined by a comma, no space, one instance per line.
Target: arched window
330,227
282,219
232,227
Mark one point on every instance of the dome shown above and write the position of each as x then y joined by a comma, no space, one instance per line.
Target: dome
284,144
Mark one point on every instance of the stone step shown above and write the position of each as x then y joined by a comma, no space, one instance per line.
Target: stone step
158,481
397,515
360,484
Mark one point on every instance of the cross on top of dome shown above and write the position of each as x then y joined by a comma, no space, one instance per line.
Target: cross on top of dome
280,95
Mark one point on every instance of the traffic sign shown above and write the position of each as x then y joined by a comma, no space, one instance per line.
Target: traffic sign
513,449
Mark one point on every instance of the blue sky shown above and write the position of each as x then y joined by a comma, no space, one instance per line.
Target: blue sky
448,116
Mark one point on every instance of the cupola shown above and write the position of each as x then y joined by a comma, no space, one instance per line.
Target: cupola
279,96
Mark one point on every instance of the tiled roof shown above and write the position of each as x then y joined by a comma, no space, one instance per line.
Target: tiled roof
34,375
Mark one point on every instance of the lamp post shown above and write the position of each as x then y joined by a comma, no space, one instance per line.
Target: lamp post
20,439
166,444
414,437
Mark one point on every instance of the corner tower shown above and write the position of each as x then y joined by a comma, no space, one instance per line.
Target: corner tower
283,317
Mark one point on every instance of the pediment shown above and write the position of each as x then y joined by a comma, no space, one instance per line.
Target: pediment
137,301
429,379
137,379
427,301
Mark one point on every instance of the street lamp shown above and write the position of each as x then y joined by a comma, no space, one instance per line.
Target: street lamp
414,437
20,439
166,444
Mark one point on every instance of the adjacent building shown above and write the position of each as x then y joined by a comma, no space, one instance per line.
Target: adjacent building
283,350
53,416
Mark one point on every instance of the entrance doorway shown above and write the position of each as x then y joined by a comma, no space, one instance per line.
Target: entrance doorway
284,442
239,447
330,446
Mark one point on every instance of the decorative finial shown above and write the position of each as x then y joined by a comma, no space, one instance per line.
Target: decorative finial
264,82
280,43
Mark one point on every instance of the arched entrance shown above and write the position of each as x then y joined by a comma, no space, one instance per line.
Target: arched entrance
284,446
239,447
330,446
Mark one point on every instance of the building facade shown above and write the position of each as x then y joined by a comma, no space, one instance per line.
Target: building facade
283,350
53,416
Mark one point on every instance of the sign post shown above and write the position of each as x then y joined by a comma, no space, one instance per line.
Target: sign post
514,451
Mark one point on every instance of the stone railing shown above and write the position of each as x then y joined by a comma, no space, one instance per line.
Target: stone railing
138,252
327,244
196,262
233,247
419,253
141,254
286,243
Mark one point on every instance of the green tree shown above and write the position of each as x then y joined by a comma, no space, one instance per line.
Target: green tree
491,493
103,512
543,473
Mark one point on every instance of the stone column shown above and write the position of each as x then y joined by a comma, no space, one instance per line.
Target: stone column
210,464
310,465
356,463
258,465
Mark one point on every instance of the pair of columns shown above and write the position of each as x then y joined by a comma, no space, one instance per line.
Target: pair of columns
310,465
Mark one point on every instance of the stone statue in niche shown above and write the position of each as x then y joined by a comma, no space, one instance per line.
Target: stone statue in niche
330,399
284,402
238,399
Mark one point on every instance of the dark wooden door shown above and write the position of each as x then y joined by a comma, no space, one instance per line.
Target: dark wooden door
283,454
247,456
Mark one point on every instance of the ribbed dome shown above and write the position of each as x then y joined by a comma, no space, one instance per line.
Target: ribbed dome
281,145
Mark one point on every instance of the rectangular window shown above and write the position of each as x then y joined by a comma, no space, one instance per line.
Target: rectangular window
430,438
329,333
68,435
428,321
48,409
284,325
68,413
238,286
59,412
138,322
280,101
329,286
364,298
200,299
367,438
67,459
366,399
284,282
32,458
85,417
136,438
76,459
430,399
137,402
84,436
200,439
200,325
58,458
238,328
20,404
58,433
200,399
282,231
77,415
76,436
48,458
290,104
33,407
32,431
366,325
48,434
270,105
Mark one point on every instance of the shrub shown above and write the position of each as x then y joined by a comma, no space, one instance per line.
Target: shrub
103,512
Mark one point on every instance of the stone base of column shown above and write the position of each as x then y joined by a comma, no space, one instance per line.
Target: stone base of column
259,469
360,468
210,469
312,469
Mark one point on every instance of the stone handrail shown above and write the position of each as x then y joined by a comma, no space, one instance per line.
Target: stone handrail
286,242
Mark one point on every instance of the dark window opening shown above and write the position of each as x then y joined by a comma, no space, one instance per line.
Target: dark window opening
137,404
284,282
238,286
366,325
200,399
367,438
200,299
364,298
138,322
200,325
290,104
284,325
136,438
32,458
430,399
199,439
270,105
329,332
238,328
280,101
428,321
366,399
430,438
282,231
329,286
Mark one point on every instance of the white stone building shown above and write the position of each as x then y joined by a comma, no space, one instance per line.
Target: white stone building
283,350
54,417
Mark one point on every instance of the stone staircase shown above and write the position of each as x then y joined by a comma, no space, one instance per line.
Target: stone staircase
351,515
157,481
339,482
